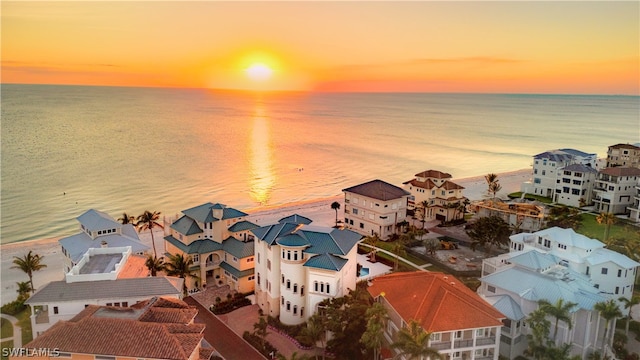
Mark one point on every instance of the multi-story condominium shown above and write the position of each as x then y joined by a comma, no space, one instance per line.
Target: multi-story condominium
462,325
98,229
547,164
574,186
374,207
159,328
523,216
623,155
634,210
515,282
615,189
103,276
218,241
441,194
298,266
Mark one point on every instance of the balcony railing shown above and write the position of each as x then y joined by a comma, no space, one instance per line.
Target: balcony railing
486,341
463,343
441,345
212,263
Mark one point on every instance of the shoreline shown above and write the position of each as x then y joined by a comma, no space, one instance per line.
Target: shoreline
318,210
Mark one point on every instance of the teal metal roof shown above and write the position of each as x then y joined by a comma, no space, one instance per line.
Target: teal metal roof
535,260
507,306
270,233
292,240
230,213
197,247
295,219
235,272
238,248
95,220
242,226
202,213
329,240
326,262
186,226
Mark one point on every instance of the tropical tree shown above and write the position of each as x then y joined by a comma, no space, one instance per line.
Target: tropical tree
398,249
413,343
431,245
154,264
336,206
560,310
178,265
564,217
424,205
346,320
628,304
127,219
147,221
489,231
606,219
609,311
540,326
373,337
24,288
493,185
372,240
260,330
29,263
315,331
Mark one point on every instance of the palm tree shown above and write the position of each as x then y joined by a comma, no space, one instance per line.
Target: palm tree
154,264
609,311
372,240
29,263
180,266
607,219
127,219
424,205
336,206
561,311
24,288
539,325
315,331
413,343
398,248
373,337
628,304
493,187
147,221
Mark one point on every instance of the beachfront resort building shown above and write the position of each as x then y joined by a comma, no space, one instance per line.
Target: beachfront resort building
98,230
218,241
519,214
574,186
615,189
623,155
546,166
634,210
298,265
433,192
103,276
156,328
461,323
375,207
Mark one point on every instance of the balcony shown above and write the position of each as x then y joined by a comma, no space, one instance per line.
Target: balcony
485,341
441,345
463,343
42,317
210,264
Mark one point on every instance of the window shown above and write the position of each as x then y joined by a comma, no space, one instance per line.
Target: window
321,287
619,273
315,286
355,211
544,172
295,288
55,309
617,290
258,258
288,284
491,289
361,226
295,309
268,264
258,278
480,332
283,279
235,259
295,255
604,271
196,258
328,289
282,299
547,243
288,254
436,337
301,291
457,334
566,180
302,311
288,306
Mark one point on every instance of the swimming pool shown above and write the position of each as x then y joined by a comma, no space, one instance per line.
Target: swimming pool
364,272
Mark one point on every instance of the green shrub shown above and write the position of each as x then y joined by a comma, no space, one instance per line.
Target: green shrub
13,308
256,342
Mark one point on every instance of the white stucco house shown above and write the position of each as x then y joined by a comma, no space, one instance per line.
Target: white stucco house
615,189
574,186
443,196
546,166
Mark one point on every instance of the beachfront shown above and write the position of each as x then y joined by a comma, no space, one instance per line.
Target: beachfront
319,211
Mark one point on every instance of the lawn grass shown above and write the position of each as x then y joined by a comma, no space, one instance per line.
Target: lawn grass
7,328
621,230
414,259
6,345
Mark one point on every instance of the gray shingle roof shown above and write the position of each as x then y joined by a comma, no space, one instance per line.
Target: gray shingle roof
186,226
58,291
580,168
95,220
238,248
378,189
326,262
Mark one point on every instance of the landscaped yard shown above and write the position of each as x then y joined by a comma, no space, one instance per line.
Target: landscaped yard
621,230
7,328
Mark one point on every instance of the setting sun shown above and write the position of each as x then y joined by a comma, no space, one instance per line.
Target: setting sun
259,72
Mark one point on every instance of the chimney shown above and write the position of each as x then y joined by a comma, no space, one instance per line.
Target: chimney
104,244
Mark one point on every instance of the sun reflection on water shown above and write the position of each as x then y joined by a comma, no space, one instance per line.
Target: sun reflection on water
262,177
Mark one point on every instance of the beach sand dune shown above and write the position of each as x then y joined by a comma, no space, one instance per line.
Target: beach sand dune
317,210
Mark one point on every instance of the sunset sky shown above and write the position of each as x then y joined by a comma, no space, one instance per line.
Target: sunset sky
506,47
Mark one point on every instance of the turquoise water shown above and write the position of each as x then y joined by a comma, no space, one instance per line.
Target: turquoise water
66,149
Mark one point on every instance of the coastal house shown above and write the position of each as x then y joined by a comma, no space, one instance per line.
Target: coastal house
218,240
443,196
103,276
546,166
98,230
375,207
298,266
461,323
521,215
574,186
623,155
615,189
156,328
634,209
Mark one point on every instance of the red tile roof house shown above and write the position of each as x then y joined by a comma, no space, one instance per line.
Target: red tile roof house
462,325
159,328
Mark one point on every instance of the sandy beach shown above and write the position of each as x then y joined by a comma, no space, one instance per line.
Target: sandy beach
318,210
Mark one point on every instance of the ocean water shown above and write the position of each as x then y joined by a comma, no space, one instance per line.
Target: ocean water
66,149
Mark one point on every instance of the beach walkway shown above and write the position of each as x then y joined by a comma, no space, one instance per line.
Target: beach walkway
17,331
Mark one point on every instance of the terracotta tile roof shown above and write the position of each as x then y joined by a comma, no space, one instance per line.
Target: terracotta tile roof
621,171
428,184
433,174
134,267
624,146
448,185
168,315
440,302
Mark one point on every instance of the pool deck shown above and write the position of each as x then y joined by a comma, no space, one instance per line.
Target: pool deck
375,269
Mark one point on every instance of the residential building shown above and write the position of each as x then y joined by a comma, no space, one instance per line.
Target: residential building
623,155
634,209
218,240
462,325
442,196
298,266
615,189
159,328
546,166
574,186
519,214
103,276
98,229
374,207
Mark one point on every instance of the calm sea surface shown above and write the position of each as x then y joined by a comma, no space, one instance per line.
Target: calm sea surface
66,149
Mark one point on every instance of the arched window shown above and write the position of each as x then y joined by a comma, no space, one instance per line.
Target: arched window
321,287
282,297
302,311
295,288
301,291
288,306
295,255
283,278
295,309
315,285
288,284
288,254
328,289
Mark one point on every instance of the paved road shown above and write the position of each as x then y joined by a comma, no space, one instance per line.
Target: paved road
17,331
